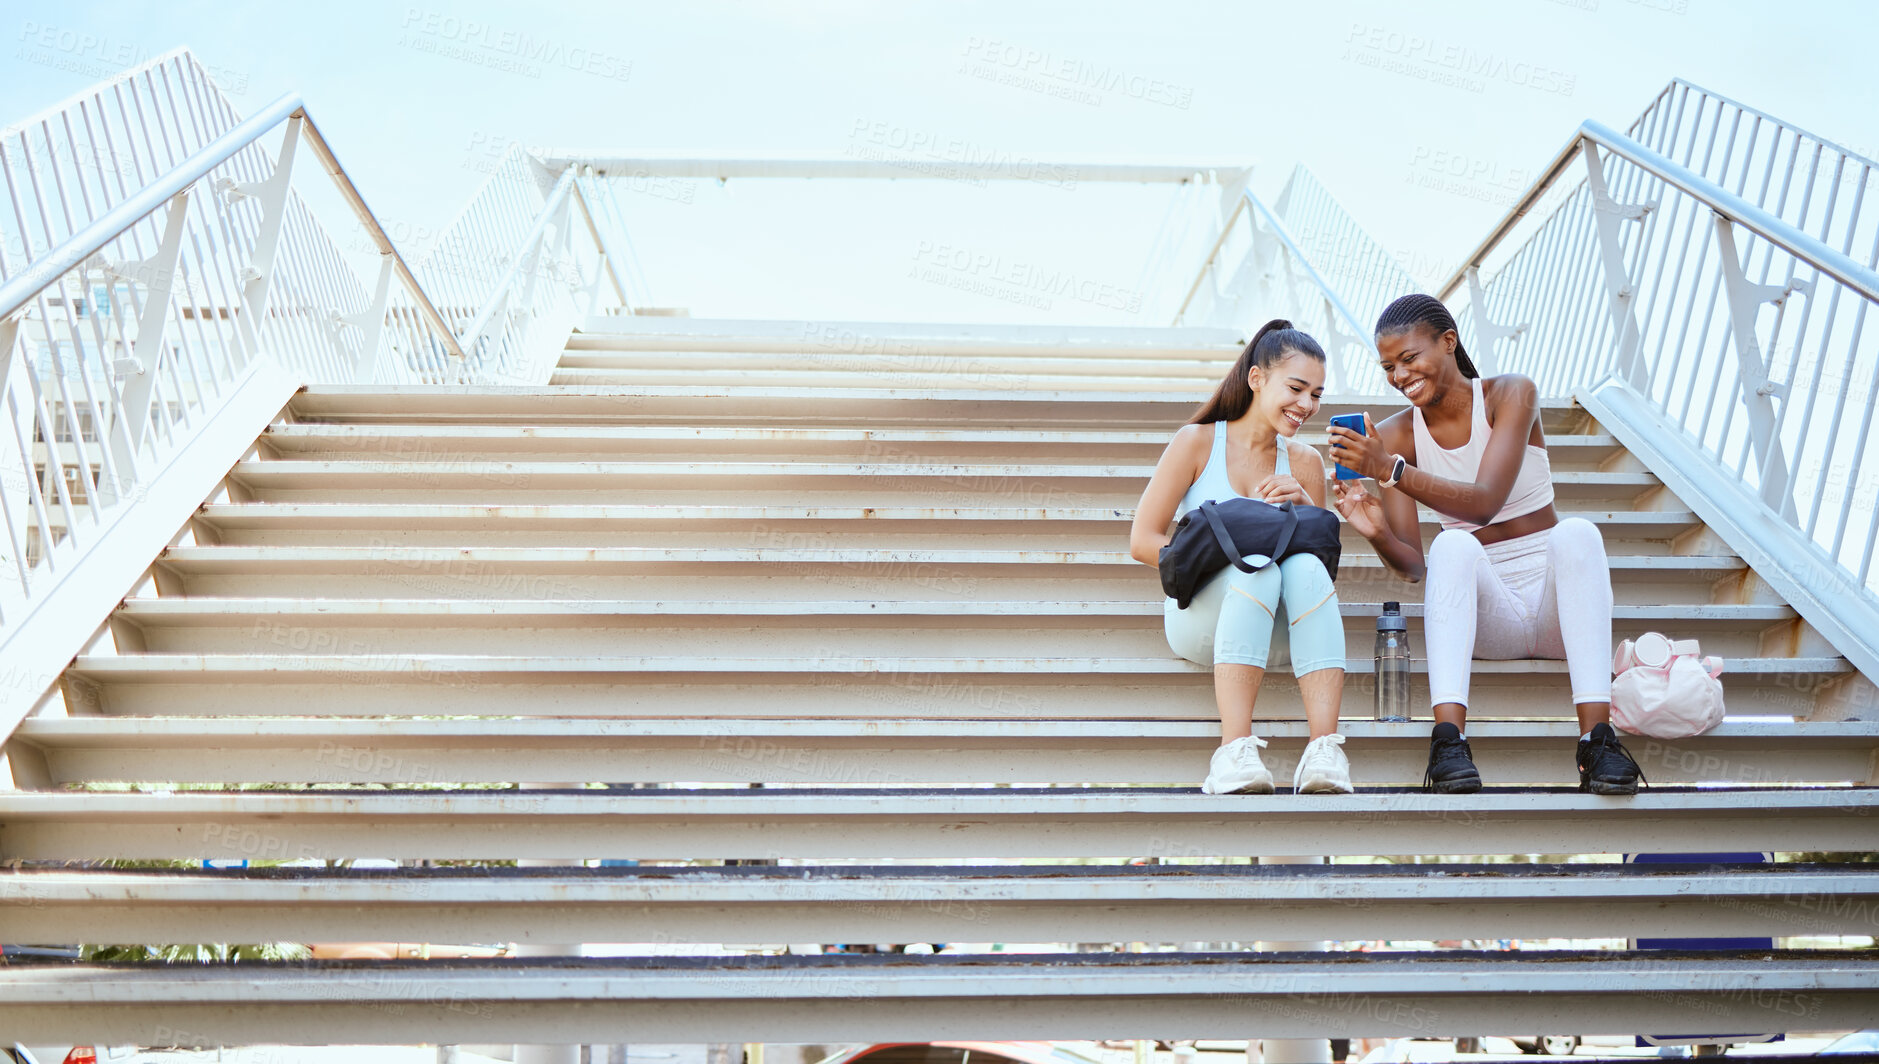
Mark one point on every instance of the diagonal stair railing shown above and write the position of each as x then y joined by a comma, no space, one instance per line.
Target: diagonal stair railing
1704,292
1259,267
164,289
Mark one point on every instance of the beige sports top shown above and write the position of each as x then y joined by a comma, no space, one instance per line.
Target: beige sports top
1533,485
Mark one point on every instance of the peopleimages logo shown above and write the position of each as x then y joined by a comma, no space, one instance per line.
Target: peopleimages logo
1447,63
98,55
503,48
1066,77
932,154
967,268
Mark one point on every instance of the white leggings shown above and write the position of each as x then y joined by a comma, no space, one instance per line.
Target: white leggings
1502,601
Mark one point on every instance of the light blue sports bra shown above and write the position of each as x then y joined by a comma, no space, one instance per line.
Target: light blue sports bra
1212,485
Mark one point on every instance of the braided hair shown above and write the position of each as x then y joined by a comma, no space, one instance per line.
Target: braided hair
1419,309
1274,340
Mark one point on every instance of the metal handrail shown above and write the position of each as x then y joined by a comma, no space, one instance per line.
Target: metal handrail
350,194
1794,241
1756,220
75,249
473,333
1648,285
1766,117
20,290
1551,175
1330,294
1521,208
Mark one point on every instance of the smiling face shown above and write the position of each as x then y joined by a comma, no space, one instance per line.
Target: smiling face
1419,363
1287,393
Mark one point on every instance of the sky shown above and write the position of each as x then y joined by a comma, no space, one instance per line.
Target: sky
420,99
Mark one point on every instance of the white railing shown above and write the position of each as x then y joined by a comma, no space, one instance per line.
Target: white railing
1257,269
1713,272
510,274
162,281
1365,275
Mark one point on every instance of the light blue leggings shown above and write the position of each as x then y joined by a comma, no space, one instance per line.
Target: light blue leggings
1232,617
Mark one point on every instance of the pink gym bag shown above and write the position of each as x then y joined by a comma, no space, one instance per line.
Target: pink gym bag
1665,688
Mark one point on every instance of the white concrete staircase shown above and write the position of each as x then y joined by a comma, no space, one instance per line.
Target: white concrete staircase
886,565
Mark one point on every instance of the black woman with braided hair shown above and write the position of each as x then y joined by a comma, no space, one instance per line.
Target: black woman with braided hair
1472,451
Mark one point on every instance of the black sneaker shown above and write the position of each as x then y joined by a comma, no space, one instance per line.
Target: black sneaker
1605,766
1451,763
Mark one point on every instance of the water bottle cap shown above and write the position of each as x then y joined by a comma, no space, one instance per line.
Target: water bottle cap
1392,619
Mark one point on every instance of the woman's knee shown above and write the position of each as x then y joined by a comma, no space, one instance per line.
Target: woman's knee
1578,538
1261,586
1308,589
1451,587
1304,569
1454,548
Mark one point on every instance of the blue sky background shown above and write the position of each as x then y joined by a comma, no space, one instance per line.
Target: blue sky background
419,98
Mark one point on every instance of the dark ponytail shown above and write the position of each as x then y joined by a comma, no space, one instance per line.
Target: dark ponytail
1272,342
1418,309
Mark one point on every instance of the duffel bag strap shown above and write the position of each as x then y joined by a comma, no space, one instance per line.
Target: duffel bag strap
1221,536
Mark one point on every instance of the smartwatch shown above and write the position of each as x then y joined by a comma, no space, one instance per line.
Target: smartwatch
1396,471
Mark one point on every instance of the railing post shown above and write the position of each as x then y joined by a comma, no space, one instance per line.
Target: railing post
1340,342
1606,215
14,475
533,262
600,241
1745,298
1486,330
1211,265
591,288
371,325
257,275
147,350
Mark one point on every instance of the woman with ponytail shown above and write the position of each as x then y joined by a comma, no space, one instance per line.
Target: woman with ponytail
1507,578
1239,444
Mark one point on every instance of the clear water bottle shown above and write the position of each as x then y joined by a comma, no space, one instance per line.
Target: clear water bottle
1392,664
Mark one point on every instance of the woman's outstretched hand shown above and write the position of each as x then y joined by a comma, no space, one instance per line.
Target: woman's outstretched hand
1362,453
1363,510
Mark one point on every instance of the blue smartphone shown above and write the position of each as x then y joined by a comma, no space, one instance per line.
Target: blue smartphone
1355,423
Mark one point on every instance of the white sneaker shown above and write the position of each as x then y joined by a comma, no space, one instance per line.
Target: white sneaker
1323,768
1236,769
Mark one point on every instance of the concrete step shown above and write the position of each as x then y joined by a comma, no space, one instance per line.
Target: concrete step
887,752
447,443
753,573
774,483
838,686
898,998
728,406
897,903
821,527
968,824
950,629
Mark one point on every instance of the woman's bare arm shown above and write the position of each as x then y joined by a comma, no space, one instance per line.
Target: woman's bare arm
1513,406
1177,470
1400,546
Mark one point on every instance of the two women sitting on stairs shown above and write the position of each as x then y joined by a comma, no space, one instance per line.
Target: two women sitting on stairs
1472,451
